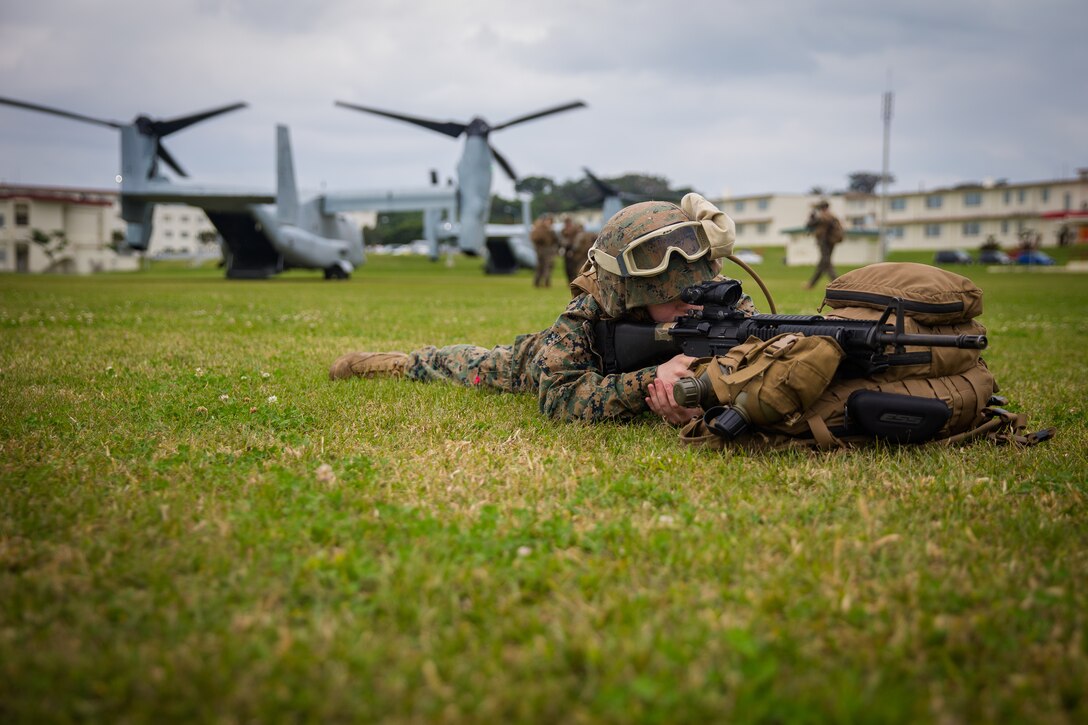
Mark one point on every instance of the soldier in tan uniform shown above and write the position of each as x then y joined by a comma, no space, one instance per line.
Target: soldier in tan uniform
644,257
575,243
827,229
546,243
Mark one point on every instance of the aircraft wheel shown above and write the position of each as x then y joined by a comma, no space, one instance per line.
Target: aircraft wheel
336,272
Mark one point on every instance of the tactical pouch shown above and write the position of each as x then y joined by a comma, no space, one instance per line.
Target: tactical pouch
896,418
762,382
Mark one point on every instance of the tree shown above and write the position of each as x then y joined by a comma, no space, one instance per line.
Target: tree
52,244
558,198
117,240
865,182
208,236
395,227
535,185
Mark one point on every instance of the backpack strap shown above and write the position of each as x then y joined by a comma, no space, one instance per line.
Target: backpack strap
1001,427
823,436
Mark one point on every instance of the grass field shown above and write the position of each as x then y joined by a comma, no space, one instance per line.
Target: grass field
196,524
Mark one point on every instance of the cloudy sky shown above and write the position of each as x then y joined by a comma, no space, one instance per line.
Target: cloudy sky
729,96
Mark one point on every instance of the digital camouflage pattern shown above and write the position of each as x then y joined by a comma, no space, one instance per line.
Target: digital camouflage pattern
619,294
558,364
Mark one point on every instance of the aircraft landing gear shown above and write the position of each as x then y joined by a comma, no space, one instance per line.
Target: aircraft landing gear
336,272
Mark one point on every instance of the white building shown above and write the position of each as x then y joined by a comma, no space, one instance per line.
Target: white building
181,229
77,230
957,217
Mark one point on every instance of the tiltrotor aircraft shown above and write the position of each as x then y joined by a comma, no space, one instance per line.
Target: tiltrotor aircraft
474,168
259,240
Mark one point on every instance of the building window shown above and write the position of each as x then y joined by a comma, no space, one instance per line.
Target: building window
2,216
740,229
934,201
763,203
22,215
169,234
1008,197
184,233
184,217
933,230
1067,204
899,203
738,206
972,198
166,217
1022,195
971,229
1004,227
1045,194
895,232
761,228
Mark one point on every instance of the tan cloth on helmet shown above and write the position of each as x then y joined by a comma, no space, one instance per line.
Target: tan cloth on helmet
719,227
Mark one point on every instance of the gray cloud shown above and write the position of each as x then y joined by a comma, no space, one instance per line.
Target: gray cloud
774,96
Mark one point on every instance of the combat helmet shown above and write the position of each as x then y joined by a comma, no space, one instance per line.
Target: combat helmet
651,251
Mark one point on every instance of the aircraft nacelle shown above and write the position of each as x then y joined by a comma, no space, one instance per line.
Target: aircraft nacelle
138,163
474,171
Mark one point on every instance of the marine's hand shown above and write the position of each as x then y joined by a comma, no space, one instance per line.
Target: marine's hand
677,367
662,402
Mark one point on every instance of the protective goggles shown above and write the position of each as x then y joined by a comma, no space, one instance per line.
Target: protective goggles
649,255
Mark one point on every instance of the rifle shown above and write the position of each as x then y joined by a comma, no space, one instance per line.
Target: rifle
719,326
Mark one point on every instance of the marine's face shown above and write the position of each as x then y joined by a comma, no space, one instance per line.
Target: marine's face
669,311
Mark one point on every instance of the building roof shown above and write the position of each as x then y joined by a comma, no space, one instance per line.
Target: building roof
59,194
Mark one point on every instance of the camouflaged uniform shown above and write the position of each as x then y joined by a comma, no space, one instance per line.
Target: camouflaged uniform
558,364
822,223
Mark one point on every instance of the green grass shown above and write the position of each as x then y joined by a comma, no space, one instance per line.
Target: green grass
195,524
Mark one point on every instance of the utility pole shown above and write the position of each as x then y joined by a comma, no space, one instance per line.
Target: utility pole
887,113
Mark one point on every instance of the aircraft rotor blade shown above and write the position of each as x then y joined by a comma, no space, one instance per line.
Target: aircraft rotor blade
504,163
447,128
539,114
169,159
169,126
605,188
59,112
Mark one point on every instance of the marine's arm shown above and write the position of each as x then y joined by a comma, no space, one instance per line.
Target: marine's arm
571,385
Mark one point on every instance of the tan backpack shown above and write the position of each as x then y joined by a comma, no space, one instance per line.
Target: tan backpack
947,395
835,232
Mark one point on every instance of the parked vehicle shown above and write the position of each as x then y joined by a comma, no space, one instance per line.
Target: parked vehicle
952,256
1034,256
993,256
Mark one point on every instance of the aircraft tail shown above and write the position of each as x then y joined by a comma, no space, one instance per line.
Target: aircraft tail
287,207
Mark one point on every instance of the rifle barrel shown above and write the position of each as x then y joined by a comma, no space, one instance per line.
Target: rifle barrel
964,342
